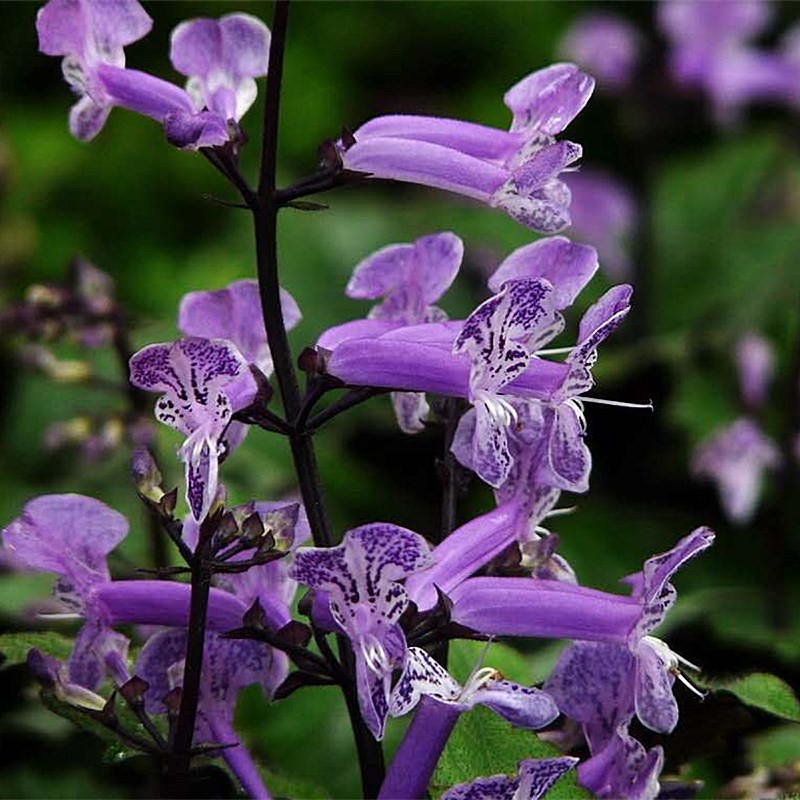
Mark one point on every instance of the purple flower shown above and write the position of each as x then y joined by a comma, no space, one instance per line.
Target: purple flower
711,50
71,536
203,382
221,58
229,665
410,278
522,706
533,781
603,684
441,701
603,212
622,769
516,171
755,361
234,313
605,45
735,458
500,337
361,577
89,33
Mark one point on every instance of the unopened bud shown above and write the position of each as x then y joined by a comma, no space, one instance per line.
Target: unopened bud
146,475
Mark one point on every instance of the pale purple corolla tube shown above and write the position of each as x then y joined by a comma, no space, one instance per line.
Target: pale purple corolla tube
415,760
167,603
418,358
543,608
755,361
463,553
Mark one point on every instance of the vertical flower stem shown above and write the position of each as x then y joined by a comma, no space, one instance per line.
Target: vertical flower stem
265,206
178,762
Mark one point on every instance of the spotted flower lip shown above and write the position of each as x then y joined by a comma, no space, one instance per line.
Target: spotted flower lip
361,577
203,382
534,779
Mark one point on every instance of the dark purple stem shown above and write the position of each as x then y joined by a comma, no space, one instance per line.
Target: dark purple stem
413,764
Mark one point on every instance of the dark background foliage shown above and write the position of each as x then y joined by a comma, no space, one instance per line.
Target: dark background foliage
720,255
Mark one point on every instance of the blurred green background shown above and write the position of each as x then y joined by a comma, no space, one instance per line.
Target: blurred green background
720,255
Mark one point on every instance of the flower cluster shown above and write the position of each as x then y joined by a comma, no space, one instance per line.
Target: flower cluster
388,598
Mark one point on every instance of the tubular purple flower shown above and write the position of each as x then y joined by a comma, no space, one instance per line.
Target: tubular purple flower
542,608
462,553
228,666
203,382
361,578
415,759
410,278
441,701
735,458
516,171
418,358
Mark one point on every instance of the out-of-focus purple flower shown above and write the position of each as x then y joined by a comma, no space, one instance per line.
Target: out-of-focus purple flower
603,684
441,701
755,361
603,212
234,313
361,577
89,33
71,536
516,171
228,666
221,57
410,278
533,781
203,382
735,458
711,51
606,45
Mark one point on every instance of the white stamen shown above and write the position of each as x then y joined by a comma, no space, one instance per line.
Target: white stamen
648,405
554,351
673,662
59,616
501,410
560,512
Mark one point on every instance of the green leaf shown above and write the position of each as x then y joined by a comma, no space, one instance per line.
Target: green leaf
763,691
484,744
15,646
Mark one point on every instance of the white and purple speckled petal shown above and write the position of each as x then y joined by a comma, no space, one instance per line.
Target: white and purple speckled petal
569,461
422,676
411,410
656,706
522,706
593,683
600,321
535,778
491,457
